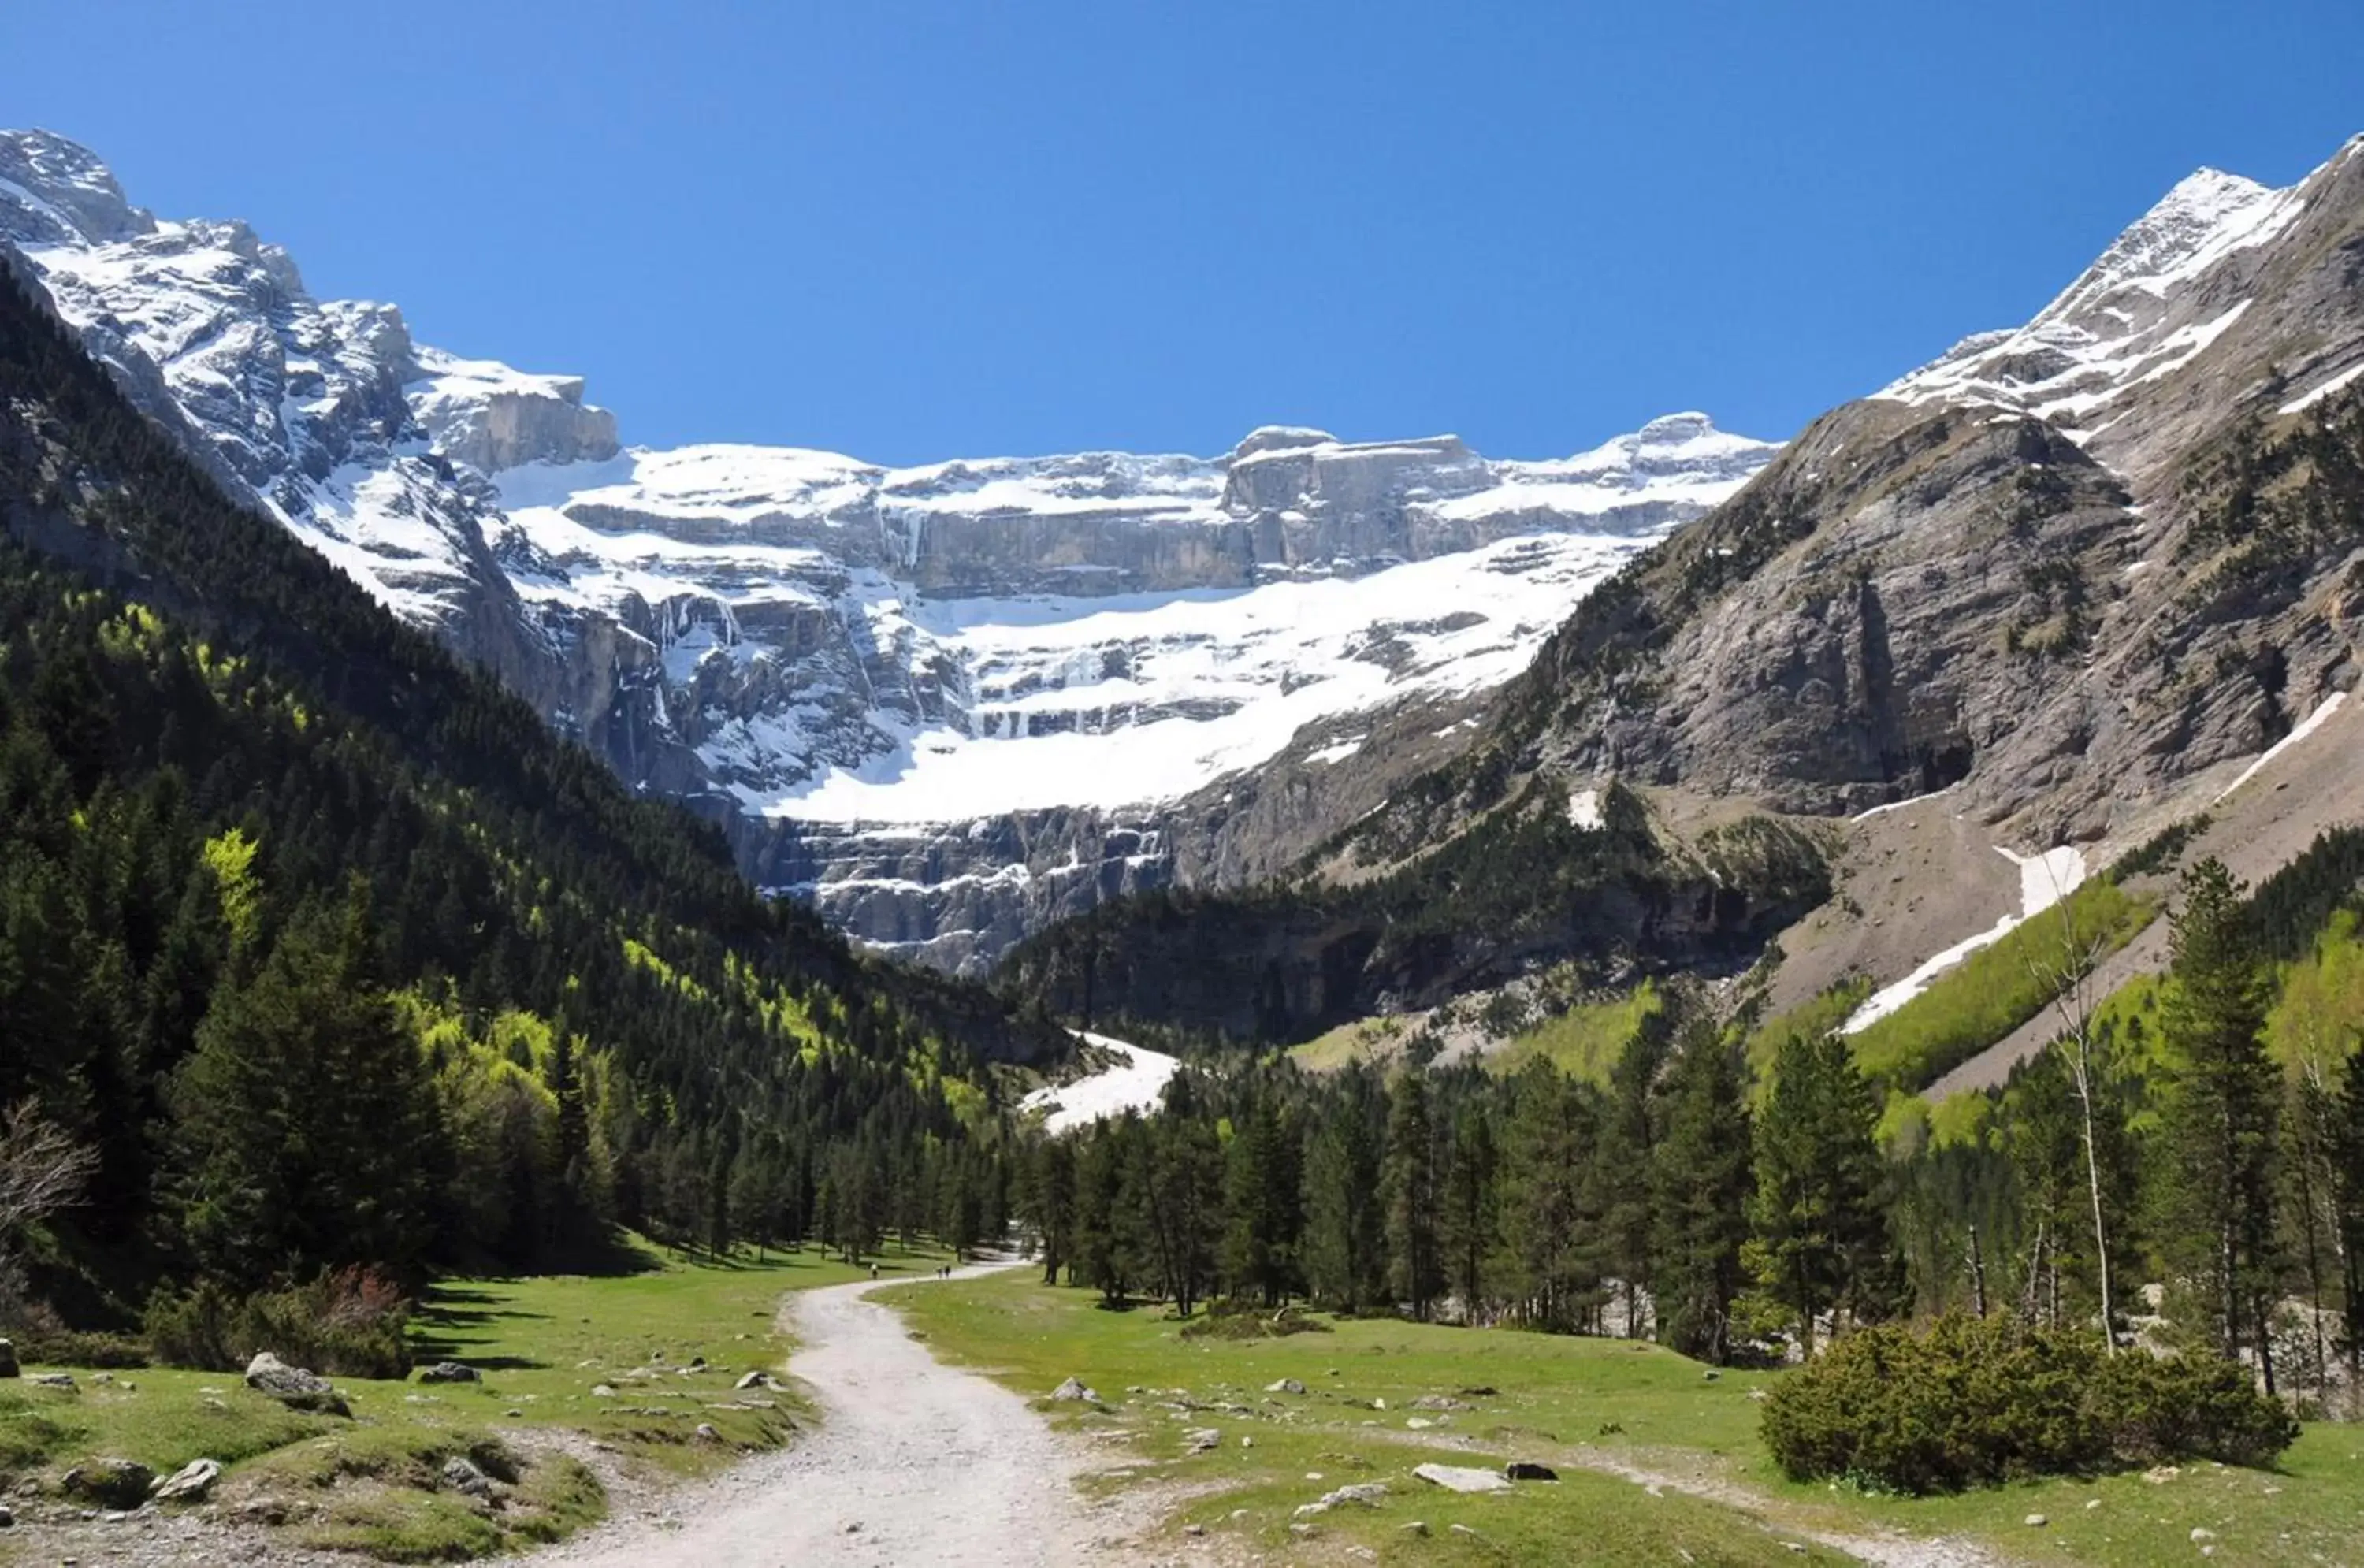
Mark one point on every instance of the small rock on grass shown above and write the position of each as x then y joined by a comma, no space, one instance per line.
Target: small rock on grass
1284,1386
449,1372
1462,1478
2035,1522
1075,1389
1527,1470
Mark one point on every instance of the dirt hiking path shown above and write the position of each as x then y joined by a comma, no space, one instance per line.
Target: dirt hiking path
914,1462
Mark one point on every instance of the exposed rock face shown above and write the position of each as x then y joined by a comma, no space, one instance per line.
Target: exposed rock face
2072,565
489,416
949,703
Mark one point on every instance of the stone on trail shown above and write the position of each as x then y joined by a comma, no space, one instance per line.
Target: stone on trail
756,1380
1073,1390
1461,1478
293,1386
190,1483
449,1372
1284,1386
51,1380
1527,1470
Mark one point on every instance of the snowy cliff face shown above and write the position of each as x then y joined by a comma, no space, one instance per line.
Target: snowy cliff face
949,702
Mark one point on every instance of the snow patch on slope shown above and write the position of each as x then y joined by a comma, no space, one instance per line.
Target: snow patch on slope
2336,385
1136,1083
2043,880
2305,727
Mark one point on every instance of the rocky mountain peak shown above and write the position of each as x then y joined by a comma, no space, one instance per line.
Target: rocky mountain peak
1280,438
67,191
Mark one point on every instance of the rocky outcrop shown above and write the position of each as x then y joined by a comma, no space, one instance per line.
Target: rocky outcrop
2072,566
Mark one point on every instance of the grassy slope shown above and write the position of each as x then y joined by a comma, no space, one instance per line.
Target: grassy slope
1569,1401
1583,1042
542,1344
1993,990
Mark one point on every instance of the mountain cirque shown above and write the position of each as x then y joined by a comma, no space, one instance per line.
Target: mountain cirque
948,703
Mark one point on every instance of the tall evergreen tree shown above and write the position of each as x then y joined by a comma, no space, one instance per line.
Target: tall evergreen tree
1416,1263
1819,1237
1548,1265
1261,1184
1700,1178
2221,1118
1469,1220
1344,1252
307,1121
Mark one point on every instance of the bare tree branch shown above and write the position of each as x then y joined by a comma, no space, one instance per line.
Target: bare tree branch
42,1170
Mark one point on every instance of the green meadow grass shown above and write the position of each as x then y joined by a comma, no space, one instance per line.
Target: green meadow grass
1583,1406
543,1344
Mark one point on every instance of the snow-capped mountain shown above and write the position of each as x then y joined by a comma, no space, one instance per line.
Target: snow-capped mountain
948,702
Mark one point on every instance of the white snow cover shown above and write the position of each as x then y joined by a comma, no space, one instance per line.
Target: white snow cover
1584,809
2125,321
1135,1084
2300,732
1274,657
2043,880
2337,383
762,602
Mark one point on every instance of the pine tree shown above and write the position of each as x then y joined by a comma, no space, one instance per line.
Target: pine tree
1260,1199
1629,1133
1468,1222
307,1123
1819,1238
1343,1250
2220,1120
1415,1265
1701,1179
2347,1184
1548,1264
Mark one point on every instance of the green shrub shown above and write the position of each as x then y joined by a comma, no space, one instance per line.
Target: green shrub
69,1347
1237,1320
349,1324
1972,1403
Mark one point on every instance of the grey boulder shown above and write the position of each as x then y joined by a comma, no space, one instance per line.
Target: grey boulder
293,1386
190,1483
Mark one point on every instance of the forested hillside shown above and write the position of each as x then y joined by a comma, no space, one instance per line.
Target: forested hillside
2185,1165
318,952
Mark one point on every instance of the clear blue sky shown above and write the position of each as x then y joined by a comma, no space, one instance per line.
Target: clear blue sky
914,231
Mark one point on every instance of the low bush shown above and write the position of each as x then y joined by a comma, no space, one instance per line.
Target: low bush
1230,1321
348,1324
70,1347
1969,1402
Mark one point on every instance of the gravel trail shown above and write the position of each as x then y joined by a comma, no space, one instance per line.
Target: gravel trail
914,1462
